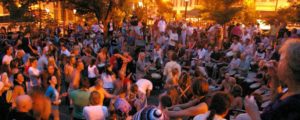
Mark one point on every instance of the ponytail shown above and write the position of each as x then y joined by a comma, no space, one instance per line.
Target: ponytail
211,115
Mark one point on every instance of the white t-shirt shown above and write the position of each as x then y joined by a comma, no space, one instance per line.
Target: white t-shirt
235,47
201,53
144,85
95,112
66,52
173,39
7,59
162,25
107,81
205,115
96,28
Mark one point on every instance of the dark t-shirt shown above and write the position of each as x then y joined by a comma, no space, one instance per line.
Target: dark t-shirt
287,109
215,55
15,115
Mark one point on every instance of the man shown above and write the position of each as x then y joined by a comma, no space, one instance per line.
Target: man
95,28
24,105
34,74
173,39
80,98
98,87
162,25
237,31
43,60
144,86
65,51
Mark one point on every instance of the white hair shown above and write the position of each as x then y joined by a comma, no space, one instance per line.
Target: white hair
292,57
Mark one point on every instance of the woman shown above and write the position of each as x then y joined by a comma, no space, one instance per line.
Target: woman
237,102
19,80
286,105
195,106
92,72
218,108
95,111
54,96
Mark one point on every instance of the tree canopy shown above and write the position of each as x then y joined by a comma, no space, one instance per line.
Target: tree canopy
220,11
18,10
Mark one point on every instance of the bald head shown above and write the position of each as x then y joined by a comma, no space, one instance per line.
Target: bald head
24,103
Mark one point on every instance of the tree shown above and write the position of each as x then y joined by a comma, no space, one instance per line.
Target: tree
220,11
18,10
96,7
100,8
165,9
289,14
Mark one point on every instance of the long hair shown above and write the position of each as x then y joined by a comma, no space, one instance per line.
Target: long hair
220,104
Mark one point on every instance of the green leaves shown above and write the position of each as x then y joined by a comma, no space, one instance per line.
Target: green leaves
221,11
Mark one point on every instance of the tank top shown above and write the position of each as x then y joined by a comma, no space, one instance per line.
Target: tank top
91,71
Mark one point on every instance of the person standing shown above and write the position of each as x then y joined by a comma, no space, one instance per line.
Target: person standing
54,96
80,98
162,25
110,28
95,111
34,74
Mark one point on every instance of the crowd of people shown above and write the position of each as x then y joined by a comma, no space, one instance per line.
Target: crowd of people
111,72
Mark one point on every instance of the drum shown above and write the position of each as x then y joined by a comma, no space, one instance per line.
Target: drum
156,80
155,76
231,73
229,54
249,80
255,86
266,104
240,79
236,76
152,69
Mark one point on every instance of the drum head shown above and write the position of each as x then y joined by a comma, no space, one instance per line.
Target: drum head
237,75
152,68
155,76
265,104
101,65
249,80
231,73
255,85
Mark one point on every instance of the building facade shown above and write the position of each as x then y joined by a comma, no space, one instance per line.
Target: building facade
259,5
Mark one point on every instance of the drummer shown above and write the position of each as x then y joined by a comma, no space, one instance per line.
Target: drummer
141,66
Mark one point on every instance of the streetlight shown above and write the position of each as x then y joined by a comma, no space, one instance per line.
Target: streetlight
186,4
74,11
140,3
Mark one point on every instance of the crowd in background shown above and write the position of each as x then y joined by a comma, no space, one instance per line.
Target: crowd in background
111,72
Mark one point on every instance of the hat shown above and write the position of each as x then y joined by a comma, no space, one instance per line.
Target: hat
149,113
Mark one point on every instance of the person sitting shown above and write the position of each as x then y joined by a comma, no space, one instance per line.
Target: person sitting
164,102
24,105
195,106
95,111
285,106
218,108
